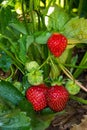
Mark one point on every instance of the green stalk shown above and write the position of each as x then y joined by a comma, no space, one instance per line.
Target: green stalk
45,62
38,16
70,76
36,4
82,63
9,39
13,45
31,7
78,99
65,70
15,62
70,5
49,4
25,22
76,66
80,7
12,32
43,22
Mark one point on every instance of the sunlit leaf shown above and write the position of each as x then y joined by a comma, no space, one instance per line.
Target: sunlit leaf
56,19
5,61
76,28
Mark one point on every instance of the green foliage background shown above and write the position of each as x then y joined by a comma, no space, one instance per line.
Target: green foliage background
23,38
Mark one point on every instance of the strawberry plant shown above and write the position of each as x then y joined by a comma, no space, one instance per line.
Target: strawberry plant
37,48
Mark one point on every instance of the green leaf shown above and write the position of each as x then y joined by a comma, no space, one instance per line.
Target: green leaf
57,19
15,61
19,27
29,41
83,62
10,97
54,71
15,120
10,93
5,62
5,105
76,28
22,49
42,121
25,83
5,17
42,38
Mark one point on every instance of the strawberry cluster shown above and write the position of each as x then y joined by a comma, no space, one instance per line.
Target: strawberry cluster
41,96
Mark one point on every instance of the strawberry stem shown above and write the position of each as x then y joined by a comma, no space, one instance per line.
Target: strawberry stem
83,101
45,62
67,72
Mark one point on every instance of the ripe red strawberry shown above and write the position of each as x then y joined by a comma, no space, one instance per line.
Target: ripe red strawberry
37,96
57,44
57,97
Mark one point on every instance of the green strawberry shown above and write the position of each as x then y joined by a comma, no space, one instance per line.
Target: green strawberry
35,77
72,87
30,66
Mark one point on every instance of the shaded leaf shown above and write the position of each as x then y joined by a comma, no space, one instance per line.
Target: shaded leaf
10,93
6,12
19,27
41,122
5,62
14,120
22,49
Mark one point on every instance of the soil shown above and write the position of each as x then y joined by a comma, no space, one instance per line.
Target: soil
3,74
73,115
